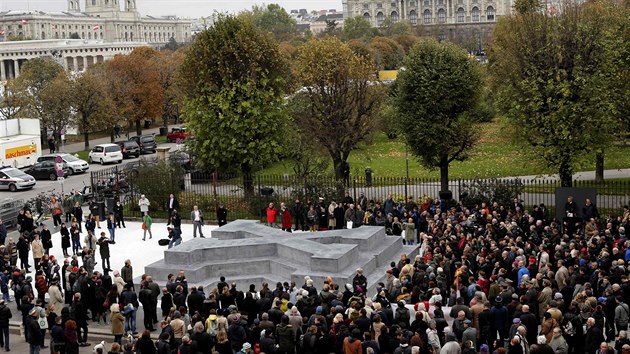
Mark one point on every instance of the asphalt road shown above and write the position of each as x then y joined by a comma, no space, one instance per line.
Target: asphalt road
71,183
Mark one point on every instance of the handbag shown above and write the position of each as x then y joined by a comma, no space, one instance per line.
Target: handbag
57,211
106,303
144,226
42,322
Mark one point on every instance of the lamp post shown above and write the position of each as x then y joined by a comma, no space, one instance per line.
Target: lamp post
406,168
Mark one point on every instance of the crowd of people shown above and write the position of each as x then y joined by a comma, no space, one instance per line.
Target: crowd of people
489,278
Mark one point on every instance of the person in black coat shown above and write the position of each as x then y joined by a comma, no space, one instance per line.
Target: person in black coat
5,316
23,248
195,301
119,214
172,204
594,337
299,212
77,212
176,220
222,215
78,313
146,300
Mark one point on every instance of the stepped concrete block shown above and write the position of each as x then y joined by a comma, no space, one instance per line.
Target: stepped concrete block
247,252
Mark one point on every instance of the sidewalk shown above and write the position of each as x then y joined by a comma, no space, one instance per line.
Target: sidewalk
76,147
581,176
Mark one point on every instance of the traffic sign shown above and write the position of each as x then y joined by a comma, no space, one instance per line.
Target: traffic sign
58,159
60,174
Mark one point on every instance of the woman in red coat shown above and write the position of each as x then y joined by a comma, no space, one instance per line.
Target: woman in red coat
286,218
271,215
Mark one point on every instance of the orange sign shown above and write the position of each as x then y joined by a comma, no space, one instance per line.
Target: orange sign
20,151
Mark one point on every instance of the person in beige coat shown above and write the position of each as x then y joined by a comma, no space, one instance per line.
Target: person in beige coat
118,321
38,250
119,281
56,297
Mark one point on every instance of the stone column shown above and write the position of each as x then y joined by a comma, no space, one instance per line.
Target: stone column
74,64
16,68
3,74
85,62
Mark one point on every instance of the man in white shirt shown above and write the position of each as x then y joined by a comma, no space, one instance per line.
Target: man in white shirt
197,218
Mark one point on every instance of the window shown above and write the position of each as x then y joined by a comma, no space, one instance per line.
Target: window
440,2
490,13
366,16
475,14
441,16
365,7
394,16
413,18
394,4
379,6
461,15
379,19
412,4
427,17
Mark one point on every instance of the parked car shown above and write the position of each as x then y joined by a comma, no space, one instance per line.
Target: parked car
182,159
46,170
14,179
129,148
146,142
75,164
105,153
177,133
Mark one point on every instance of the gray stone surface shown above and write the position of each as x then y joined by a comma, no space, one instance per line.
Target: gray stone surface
247,252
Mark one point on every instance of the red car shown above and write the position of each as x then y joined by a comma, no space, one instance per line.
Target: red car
177,133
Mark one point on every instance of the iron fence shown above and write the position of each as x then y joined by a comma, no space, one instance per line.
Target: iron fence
248,199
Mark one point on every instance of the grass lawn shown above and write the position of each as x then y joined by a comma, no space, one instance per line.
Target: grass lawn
496,155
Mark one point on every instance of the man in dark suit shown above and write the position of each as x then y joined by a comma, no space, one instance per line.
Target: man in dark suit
171,204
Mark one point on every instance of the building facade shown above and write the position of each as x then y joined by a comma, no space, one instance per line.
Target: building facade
73,54
444,19
98,19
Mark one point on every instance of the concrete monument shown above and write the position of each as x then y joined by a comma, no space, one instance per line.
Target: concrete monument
247,252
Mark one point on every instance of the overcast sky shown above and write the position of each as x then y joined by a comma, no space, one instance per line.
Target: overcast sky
182,8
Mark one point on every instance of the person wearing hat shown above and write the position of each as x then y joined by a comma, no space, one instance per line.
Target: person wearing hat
34,333
499,318
144,204
245,349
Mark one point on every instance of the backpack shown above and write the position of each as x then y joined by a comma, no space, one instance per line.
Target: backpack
213,327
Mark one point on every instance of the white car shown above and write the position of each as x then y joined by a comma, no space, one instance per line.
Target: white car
105,153
14,179
75,164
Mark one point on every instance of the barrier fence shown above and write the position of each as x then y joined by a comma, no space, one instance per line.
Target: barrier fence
208,190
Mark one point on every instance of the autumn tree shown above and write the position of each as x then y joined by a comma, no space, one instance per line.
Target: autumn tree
168,65
273,19
93,103
339,102
435,95
561,80
12,101
387,54
34,76
237,78
134,84
55,104
358,28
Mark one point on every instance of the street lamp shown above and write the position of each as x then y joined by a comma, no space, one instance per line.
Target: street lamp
406,168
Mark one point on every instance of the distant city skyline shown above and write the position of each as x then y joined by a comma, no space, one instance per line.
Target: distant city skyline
181,8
